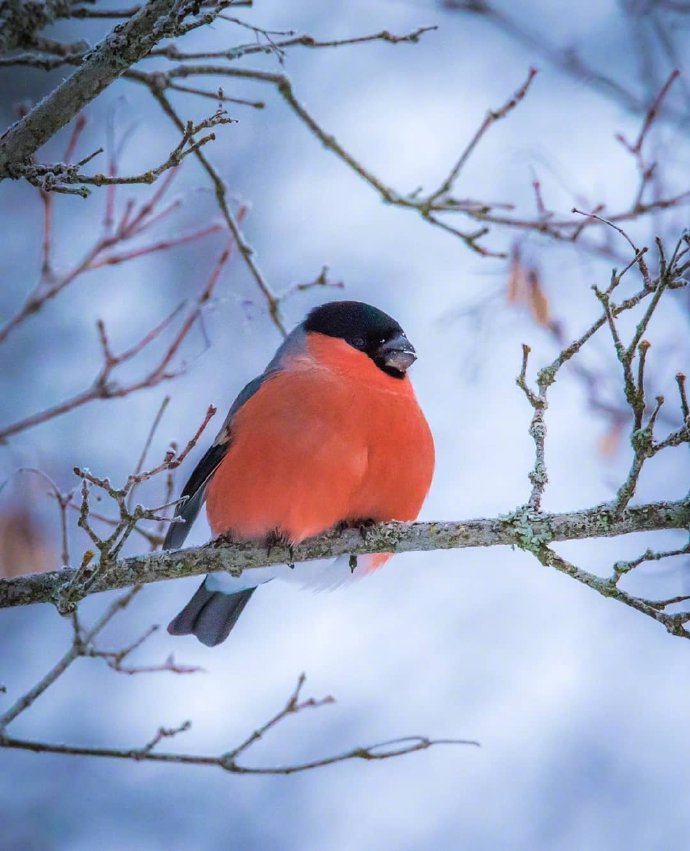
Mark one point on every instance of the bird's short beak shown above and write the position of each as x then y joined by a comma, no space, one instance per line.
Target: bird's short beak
398,353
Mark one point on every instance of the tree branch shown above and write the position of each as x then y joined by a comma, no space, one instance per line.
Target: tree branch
228,761
121,48
437,206
69,179
522,528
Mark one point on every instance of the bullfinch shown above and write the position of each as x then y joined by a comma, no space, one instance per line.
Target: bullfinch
329,434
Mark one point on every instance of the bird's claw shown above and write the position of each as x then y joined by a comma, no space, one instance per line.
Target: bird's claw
362,525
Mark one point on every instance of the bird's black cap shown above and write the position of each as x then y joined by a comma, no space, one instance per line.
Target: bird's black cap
365,328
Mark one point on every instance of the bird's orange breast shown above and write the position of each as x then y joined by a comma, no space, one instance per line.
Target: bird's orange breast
330,438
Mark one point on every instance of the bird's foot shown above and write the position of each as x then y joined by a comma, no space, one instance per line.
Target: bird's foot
276,538
363,525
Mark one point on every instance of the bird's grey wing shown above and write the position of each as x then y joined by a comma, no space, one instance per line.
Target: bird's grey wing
194,493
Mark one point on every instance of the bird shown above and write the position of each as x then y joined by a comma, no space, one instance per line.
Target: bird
329,435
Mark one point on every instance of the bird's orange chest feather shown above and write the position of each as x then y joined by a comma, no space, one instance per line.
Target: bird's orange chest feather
328,439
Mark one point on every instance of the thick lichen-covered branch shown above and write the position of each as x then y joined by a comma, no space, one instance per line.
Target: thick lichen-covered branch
521,528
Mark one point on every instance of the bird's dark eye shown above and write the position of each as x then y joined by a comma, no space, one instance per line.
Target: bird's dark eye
358,342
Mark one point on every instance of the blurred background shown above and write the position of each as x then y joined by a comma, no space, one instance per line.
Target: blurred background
580,704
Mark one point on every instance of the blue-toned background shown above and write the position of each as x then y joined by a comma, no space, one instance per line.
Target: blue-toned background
580,704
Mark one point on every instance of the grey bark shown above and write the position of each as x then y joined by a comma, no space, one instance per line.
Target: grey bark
20,20
525,529
125,45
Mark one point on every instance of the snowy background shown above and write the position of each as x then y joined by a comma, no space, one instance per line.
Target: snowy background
580,705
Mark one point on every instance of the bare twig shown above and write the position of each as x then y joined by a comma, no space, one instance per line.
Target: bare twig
278,47
228,760
66,178
134,223
492,116
436,207
105,385
26,700
232,221
564,58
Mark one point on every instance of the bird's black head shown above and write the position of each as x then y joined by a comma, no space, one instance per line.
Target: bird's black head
367,329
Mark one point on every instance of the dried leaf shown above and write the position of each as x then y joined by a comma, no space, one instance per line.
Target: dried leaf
611,440
516,278
24,546
538,302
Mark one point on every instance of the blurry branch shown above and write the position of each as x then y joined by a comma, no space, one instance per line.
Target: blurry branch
278,47
118,231
492,116
229,760
19,22
565,59
134,222
86,11
440,206
654,35
232,221
84,646
218,95
81,640
92,12
145,451
427,207
115,659
321,280
64,501
105,385
652,114
570,62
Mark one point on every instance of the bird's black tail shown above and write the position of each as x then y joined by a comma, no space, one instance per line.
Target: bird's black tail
210,615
